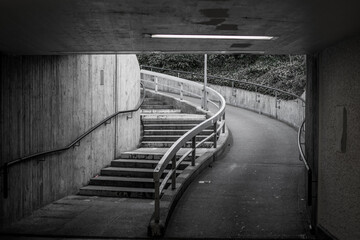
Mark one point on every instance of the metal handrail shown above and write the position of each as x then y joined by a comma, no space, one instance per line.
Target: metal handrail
229,79
248,83
170,154
6,165
302,155
303,159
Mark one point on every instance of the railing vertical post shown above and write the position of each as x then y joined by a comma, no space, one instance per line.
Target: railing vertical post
215,133
156,84
223,128
157,197
233,89
309,200
276,103
5,180
193,146
181,91
173,177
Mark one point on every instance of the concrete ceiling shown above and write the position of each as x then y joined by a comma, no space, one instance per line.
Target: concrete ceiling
108,26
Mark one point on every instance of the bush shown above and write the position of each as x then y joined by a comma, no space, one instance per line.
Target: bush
285,72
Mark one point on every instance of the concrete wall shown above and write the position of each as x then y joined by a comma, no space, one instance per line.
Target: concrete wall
291,112
47,102
339,172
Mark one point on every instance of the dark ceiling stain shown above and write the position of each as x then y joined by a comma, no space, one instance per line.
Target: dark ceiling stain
215,12
214,21
240,45
227,27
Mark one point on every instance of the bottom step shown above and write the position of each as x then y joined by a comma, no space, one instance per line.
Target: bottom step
106,191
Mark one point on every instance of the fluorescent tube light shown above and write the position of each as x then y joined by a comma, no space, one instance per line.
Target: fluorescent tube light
230,37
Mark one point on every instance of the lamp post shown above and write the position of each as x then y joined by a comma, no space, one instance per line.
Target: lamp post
204,99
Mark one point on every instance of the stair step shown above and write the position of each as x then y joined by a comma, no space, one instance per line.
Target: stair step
157,106
160,111
141,163
122,182
153,101
173,132
111,191
144,155
155,126
167,144
178,118
131,172
165,138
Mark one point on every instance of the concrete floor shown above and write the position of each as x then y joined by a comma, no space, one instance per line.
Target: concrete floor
87,217
255,191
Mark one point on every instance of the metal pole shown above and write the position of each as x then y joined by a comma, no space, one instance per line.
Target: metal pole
157,197
173,180
193,145
5,180
204,103
223,129
215,133
181,91
156,84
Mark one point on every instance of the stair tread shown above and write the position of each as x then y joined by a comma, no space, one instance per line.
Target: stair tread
172,141
129,160
117,189
161,151
132,169
118,178
154,135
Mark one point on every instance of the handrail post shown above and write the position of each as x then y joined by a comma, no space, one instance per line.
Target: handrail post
276,103
223,128
215,133
193,146
181,91
156,84
157,197
5,180
309,200
173,177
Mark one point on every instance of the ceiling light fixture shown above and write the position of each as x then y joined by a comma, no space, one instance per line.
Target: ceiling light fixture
223,37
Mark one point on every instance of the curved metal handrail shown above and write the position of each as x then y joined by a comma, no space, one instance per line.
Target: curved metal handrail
303,159
229,79
302,154
6,165
170,155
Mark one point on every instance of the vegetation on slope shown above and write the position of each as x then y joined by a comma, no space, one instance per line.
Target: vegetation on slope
284,72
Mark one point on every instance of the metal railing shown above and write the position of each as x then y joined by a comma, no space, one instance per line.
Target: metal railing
301,143
235,83
171,155
6,166
270,91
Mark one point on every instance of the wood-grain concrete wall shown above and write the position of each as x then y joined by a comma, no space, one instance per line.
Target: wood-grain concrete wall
47,102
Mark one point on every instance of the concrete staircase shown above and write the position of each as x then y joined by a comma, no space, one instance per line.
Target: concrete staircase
132,174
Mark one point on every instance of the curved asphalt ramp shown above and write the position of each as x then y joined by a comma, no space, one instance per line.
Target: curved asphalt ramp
256,190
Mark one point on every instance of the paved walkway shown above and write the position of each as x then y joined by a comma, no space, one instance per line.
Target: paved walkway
255,191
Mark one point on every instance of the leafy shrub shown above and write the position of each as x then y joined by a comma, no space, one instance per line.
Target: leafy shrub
284,72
